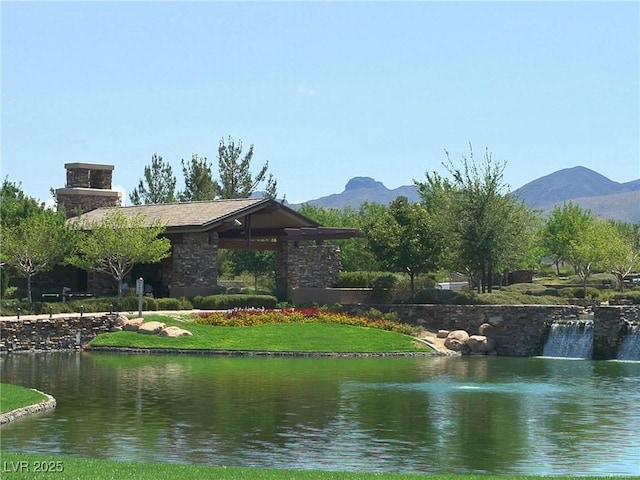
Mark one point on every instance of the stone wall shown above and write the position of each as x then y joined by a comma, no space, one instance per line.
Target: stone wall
51,334
524,328
194,265
301,265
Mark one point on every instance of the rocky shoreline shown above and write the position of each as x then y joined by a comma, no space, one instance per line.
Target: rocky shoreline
46,405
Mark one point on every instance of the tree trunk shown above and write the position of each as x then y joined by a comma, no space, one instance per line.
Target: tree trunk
29,288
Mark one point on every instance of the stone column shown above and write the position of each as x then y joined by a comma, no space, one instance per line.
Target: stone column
194,269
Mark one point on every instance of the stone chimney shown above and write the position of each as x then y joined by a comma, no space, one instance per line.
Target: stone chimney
88,187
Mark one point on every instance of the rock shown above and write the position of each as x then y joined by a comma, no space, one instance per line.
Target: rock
456,340
120,320
115,328
485,329
151,328
173,332
481,343
133,324
442,333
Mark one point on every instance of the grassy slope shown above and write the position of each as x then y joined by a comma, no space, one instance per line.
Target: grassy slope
14,396
294,337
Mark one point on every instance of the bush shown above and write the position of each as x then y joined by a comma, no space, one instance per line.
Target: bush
531,289
578,292
631,295
439,296
173,304
356,279
226,302
383,287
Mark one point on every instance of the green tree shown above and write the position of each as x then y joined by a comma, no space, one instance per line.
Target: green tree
236,179
562,229
198,180
483,224
255,262
622,255
36,244
401,237
158,186
117,242
354,252
15,206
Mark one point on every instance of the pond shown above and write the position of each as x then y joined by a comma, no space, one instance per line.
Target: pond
498,415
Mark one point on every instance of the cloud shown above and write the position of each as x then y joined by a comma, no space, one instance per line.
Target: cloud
305,90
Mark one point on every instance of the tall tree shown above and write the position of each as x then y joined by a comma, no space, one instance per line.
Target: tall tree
562,229
158,186
117,242
481,220
236,179
36,244
401,237
622,255
198,180
15,206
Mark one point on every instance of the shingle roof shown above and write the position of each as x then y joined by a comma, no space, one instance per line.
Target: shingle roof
206,215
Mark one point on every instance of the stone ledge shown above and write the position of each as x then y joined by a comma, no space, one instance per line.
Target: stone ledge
46,405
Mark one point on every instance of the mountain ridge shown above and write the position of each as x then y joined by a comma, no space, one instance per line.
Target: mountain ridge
585,187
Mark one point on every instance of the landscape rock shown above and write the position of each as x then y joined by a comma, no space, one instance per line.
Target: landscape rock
116,328
133,324
481,343
151,328
174,332
442,333
456,340
120,320
485,329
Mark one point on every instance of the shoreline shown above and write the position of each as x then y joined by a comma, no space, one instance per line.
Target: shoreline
44,406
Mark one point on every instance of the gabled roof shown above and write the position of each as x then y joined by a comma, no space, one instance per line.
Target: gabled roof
211,215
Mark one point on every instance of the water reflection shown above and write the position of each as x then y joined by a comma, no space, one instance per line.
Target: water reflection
432,415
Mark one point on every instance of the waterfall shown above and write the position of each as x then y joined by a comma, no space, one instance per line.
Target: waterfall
570,340
630,346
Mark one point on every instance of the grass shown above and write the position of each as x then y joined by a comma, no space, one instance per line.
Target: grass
82,468
14,396
291,337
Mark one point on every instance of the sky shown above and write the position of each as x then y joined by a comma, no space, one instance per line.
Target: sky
325,91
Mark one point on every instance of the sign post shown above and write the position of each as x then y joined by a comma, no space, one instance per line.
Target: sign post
140,293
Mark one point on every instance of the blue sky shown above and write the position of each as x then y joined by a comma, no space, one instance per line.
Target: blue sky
324,90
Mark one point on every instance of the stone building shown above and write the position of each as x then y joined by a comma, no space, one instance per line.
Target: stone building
198,230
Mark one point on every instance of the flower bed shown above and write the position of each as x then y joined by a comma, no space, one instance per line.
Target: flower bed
253,317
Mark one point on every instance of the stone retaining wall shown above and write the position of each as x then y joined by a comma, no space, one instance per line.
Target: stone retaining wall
51,334
48,404
524,328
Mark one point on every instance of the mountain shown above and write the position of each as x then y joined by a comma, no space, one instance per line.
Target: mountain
365,189
584,187
566,184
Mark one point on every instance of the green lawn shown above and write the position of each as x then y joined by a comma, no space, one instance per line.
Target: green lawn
14,396
290,337
21,466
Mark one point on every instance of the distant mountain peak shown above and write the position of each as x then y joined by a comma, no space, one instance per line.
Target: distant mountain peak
357,183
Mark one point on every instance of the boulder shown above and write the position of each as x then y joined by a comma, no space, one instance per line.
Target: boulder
481,343
151,328
174,332
133,324
485,329
115,328
456,340
120,320
442,333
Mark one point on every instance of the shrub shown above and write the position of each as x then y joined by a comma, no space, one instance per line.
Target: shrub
631,295
383,288
226,302
173,304
578,292
356,279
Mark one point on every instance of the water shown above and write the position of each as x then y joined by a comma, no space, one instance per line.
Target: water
495,415
570,340
630,346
